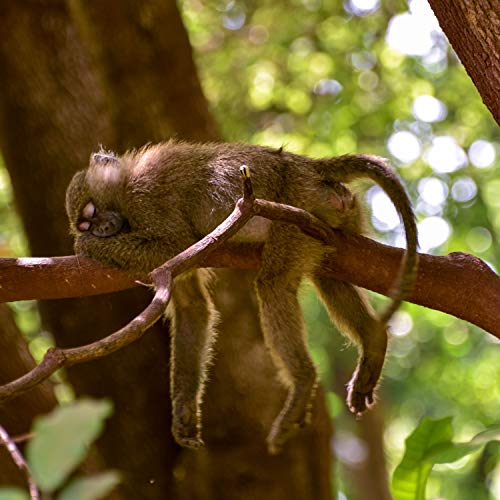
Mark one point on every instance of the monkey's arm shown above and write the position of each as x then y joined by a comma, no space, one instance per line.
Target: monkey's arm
133,252
193,334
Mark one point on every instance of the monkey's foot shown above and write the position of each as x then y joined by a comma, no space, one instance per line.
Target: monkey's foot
280,432
185,427
360,389
291,418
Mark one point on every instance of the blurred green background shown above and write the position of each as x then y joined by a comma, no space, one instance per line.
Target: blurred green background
324,78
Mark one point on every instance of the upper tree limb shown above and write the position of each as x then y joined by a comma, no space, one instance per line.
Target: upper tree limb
458,284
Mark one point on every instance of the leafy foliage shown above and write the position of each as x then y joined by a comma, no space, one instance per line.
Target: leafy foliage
90,488
60,443
61,440
431,443
13,494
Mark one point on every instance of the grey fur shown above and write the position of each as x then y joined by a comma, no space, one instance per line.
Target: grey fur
170,195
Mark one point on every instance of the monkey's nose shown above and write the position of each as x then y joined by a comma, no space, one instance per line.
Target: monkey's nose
107,224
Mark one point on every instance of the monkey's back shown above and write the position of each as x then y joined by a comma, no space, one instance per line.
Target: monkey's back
196,186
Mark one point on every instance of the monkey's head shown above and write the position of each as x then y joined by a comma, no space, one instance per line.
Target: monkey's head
93,198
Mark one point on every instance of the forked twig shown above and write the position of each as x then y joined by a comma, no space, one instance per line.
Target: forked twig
21,464
162,280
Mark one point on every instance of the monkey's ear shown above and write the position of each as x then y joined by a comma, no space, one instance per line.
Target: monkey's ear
104,158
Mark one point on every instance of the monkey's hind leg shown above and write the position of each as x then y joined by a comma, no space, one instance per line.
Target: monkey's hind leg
193,335
349,309
283,327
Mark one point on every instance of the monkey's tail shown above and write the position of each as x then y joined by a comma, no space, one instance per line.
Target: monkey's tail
349,167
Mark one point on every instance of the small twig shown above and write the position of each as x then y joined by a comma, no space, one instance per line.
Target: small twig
18,459
21,438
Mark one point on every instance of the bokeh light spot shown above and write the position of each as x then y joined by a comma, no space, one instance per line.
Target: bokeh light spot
463,189
433,191
400,324
479,239
482,154
433,232
429,109
404,146
445,155
384,215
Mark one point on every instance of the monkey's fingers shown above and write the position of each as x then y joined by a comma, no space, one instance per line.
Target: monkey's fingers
295,415
361,387
358,402
185,426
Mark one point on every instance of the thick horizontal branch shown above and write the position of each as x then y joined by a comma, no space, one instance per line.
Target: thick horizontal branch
458,284
350,255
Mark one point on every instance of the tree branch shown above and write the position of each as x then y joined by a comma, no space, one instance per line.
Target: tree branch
18,459
459,284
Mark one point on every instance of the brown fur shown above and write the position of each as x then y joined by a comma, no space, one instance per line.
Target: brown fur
164,198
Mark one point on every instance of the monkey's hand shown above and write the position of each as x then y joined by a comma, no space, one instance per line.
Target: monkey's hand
186,427
361,387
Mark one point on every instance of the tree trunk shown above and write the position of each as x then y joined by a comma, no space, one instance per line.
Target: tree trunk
473,29
16,415
53,113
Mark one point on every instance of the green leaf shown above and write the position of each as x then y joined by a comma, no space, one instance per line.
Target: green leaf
90,488
410,477
452,452
13,494
62,439
430,443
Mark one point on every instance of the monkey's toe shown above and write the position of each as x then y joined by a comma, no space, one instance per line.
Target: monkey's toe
189,442
187,437
281,432
358,402
274,443
186,427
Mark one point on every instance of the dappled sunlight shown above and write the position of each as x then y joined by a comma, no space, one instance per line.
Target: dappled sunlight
445,155
479,239
362,7
482,154
349,448
433,191
414,32
327,86
400,324
429,109
384,215
433,232
234,16
404,146
463,189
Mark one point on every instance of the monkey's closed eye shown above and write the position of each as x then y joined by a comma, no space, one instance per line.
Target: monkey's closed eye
88,211
83,226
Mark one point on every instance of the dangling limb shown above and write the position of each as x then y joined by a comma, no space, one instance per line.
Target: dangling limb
193,335
349,309
284,260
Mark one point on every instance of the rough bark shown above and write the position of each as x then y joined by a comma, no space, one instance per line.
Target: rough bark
473,29
458,284
16,415
53,113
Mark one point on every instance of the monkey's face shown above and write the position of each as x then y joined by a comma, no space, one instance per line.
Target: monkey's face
92,199
101,224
